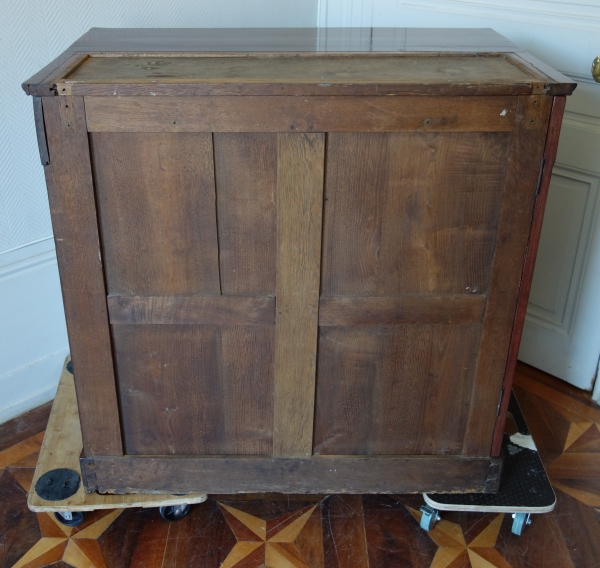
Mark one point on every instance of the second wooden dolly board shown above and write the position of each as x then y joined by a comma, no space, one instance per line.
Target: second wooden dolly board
58,465
525,488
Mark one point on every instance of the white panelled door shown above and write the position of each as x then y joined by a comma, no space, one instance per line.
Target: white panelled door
562,329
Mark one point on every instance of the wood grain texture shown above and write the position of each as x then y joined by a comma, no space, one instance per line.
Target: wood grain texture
156,201
558,108
300,164
146,89
193,390
393,537
299,114
74,221
402,389
516,213
284,74
294,68
24,426
335,474
390,310
61,448
411,213
344,539
199,310
157,43
246,180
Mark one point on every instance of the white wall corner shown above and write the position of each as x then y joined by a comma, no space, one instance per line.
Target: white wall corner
30,386
33,336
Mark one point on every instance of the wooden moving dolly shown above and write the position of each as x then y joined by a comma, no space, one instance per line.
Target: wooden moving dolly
524,490
58,472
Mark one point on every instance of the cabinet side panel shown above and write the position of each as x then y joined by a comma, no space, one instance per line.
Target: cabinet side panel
400,389
156,199
246,178
526,152
195,389
411,213
558,109
74,221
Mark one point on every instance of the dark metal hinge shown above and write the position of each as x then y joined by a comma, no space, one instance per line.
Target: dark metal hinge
40,130
539,181
500,401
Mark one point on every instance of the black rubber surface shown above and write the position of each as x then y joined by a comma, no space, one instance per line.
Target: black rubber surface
57,484
524,482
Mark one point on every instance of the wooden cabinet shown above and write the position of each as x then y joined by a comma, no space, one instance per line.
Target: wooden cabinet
294,262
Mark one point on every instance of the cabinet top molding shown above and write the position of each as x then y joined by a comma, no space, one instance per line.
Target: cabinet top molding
296,61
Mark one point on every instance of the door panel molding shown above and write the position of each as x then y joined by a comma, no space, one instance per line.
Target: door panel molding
574,198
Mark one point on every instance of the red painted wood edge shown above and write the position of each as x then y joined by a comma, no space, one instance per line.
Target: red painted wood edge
558,108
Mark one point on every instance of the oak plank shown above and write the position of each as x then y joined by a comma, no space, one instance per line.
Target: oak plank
516,213
293,68
319,474
299,114
195,389
390,390
344,538
390,310
411,213
80,264
300,165
297,89
156,202
246,180
198,310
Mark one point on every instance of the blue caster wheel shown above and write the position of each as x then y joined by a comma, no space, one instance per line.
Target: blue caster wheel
519,522
429,517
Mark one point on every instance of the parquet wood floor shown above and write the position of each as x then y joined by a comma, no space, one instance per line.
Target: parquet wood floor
336,531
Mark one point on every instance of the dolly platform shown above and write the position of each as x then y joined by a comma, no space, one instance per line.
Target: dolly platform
524,489
57,485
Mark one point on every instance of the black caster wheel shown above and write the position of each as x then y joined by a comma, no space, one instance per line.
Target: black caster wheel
174,512
69,519
519,522
429,517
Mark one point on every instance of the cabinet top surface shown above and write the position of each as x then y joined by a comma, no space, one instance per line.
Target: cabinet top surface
329,58
289,68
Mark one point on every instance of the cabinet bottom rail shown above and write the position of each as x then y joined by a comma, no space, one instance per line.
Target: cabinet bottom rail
319,474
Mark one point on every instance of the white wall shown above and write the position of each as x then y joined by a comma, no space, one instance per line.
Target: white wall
564,34
33,340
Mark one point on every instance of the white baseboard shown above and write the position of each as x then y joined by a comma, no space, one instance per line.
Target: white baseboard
31,386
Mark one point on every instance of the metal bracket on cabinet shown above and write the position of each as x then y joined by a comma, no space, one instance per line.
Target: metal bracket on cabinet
492,483
88,474
539,181
40,130
500,401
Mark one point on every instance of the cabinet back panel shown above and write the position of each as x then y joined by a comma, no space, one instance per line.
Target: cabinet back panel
401,389
193,390
411,213
246,178
156,202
